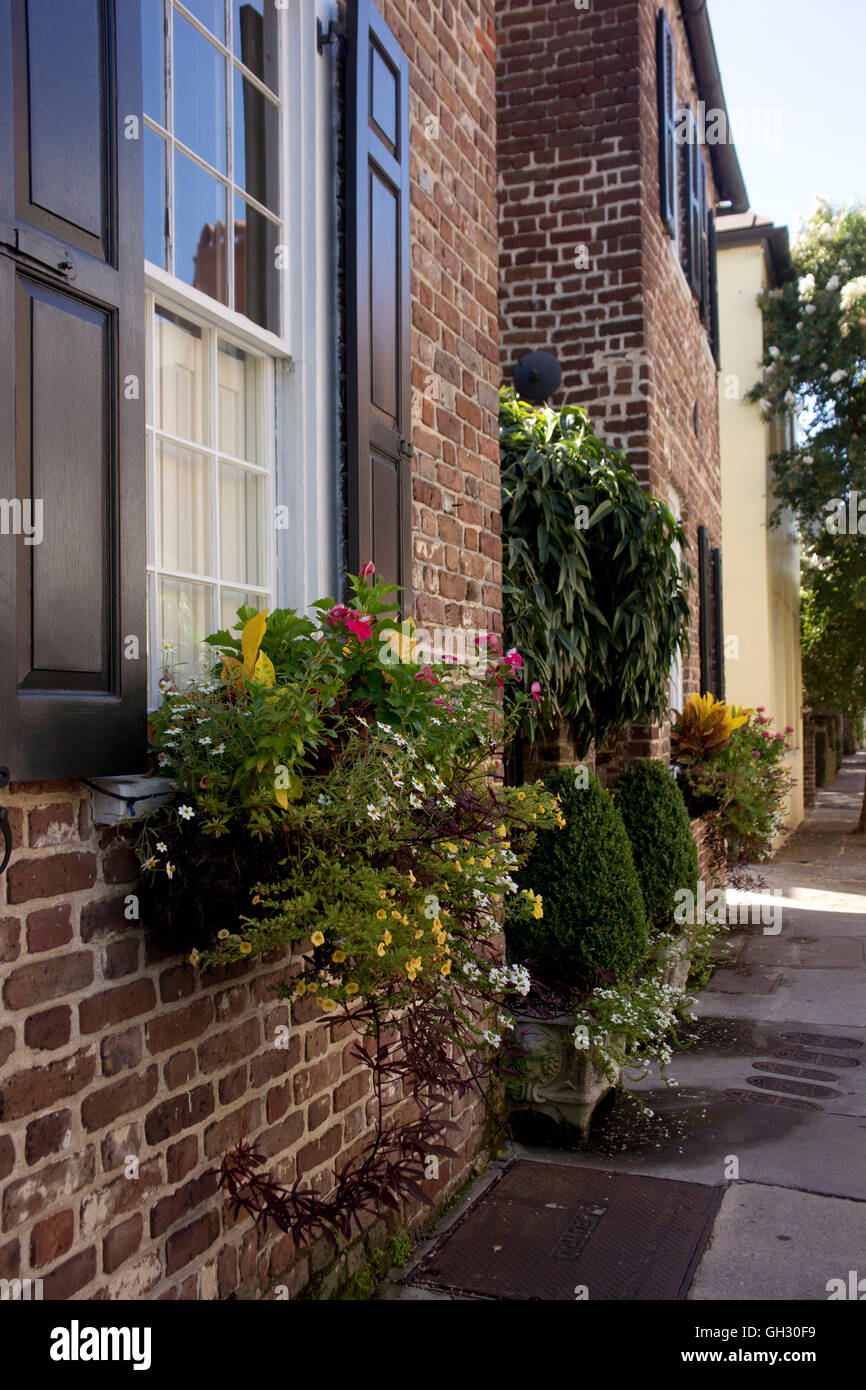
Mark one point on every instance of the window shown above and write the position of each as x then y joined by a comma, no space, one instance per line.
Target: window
213,117
666,80
209,485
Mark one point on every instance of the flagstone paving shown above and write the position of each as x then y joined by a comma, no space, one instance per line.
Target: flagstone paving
770,1105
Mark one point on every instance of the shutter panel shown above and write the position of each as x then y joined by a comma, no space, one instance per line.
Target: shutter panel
72,389
712,257
378,303
705,611
703,240
718,625
665,76
694,166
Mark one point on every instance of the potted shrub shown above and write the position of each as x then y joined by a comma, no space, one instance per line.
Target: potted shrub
665,856
591,933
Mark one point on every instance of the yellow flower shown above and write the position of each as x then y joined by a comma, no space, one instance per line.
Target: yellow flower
521,796
501,831
412,879
313,988
300,989
245,948
222,934
327,1004
255,898
338,957
387,938
380,949
437,925
458,866
418,935
347,650
381,914
446,968
317,938
382,893
194,957
395,914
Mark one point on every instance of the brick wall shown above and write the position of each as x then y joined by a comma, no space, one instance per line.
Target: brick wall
587,270
112,1050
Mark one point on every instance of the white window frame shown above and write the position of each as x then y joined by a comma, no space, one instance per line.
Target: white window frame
676,676
303,562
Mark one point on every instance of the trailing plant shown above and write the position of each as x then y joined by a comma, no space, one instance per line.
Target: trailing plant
630,1026
594,592
657,823
334,796
594,925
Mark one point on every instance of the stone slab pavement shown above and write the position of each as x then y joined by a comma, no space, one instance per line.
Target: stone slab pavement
770,1101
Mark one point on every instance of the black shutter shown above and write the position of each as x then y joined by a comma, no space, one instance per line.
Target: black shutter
704,253
72,389
694,220
667,118
378,305
718,625
713,258
705,611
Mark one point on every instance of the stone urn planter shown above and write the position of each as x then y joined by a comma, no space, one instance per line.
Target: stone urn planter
676,957
552,1076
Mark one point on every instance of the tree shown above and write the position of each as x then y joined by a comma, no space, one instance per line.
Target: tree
815,369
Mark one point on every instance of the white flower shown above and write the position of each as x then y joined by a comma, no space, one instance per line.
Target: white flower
161,846
774,352
490,1037
790,398
169,647
765,405
808,459
805,285
809,309
415,801
185,812
207,739
149,863
838,376
220,748
169,869
386,728
373,811
833,282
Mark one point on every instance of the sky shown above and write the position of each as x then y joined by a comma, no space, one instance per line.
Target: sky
795,70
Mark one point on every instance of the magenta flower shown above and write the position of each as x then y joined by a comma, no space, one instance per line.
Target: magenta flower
426,674
361,626
535,691
368,569
513,659
789,728
337,614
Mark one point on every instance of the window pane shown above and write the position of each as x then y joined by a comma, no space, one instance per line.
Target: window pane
210,13
256,122
183,485
257,291
185,614
199,94
181,404
153,59
242,525
154,198
232,599
254,24
199,229
238,415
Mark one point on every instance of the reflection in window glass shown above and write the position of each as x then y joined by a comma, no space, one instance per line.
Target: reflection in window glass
237,403
154,198
210,13
254,29
199,94
185,615
153,59
200,229
242,512
183,510
256,274
181,386
256,135
232,599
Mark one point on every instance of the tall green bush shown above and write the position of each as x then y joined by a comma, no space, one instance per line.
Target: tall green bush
823,775
657,822
594,925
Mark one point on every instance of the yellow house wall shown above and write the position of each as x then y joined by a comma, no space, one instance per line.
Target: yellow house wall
761,564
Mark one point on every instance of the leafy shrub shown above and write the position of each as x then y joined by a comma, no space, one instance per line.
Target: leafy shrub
594,925
746,784
823,776
703,727
657,822
594,592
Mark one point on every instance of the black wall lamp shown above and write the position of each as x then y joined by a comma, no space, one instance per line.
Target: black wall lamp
537,376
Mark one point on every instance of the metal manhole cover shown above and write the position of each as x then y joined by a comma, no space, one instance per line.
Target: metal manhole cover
803,1054
791,1069
759,1098
548,1231
791,1088
821,1040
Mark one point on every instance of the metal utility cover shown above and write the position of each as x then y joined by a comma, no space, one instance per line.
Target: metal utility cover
549,1231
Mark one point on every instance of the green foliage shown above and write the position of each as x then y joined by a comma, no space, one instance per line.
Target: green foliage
594,593
823,772
594,925
746,784
657,822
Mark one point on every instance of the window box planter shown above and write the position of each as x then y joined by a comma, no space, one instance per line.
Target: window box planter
553,1077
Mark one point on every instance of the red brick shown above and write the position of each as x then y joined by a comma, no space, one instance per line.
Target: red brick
121,958
350,1091
102,918
121,1051
229,1003
120,1144
113,1006
26,1197
49,928
317,1152
176,983
181,1158
193,1240
71,1277
7,1044
51,825
180,1026
232,1086
179,1069
282,1136
51,1238
227,1271
179,1204
37,1088
46,1135
232,1128
50,876
221,1049
41,980
275,1062
10,939
179,1113
7,1155
121,865
320,1076
318,1112
121,1242
10,1260
128,1093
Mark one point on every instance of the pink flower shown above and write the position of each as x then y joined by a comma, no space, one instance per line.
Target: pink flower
368,569
789,728
535,691
337,614
361,626
426,674
513,659
760,708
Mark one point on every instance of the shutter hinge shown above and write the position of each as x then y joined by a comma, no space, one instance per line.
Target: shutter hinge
34,246
335,31
406,450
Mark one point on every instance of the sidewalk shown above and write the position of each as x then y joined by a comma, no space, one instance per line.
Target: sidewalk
770,1105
